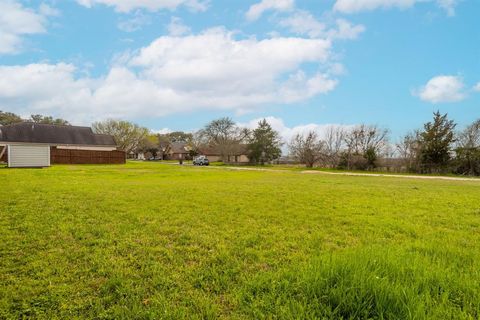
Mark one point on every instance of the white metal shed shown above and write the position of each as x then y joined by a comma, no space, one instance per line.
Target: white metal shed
28,156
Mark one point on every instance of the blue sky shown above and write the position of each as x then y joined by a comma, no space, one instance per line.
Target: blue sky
177,64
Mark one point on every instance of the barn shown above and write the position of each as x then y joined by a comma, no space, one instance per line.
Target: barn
30,144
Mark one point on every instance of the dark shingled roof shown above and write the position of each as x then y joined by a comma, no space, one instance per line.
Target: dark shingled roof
30,132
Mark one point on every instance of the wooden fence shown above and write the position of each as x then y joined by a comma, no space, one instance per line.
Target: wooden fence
66,156
4,158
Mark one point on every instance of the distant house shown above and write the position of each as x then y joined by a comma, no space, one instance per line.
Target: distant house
30,144
166,151
177,151
238,154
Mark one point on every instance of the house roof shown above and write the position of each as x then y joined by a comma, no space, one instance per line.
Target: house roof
209,151
238,150
30,132
178,147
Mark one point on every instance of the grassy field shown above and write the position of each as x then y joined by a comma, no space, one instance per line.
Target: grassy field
157,241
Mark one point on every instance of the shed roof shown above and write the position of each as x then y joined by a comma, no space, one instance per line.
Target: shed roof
30,132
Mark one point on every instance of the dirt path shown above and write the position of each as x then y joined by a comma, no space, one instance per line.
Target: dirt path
346,173
355,174
391,175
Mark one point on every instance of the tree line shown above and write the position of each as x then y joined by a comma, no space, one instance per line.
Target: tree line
7,118
437,147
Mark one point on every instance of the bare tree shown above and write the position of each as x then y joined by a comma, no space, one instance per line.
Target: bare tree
408,150
196,142
334,143
470,137
225,135
308,149
367,141
467,152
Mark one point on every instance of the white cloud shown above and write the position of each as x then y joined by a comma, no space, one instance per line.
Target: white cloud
134,23
209,71
161,131
300,87
337,69
151,5
287,133
353,6
442,89
448,6
47,89
345,30
477,87
304,23
255,11
46,10
176,27
17,21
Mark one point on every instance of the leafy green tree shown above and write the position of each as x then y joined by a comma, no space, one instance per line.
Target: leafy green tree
149,144
128,136
165,140
467,161
7,118
264,144
38,118
370,156
436,143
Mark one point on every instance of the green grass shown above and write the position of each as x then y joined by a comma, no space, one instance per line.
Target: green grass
157,241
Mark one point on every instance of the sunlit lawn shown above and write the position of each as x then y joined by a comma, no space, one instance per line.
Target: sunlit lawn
151,240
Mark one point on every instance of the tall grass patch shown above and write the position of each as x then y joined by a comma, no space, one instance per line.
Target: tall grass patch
373,283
